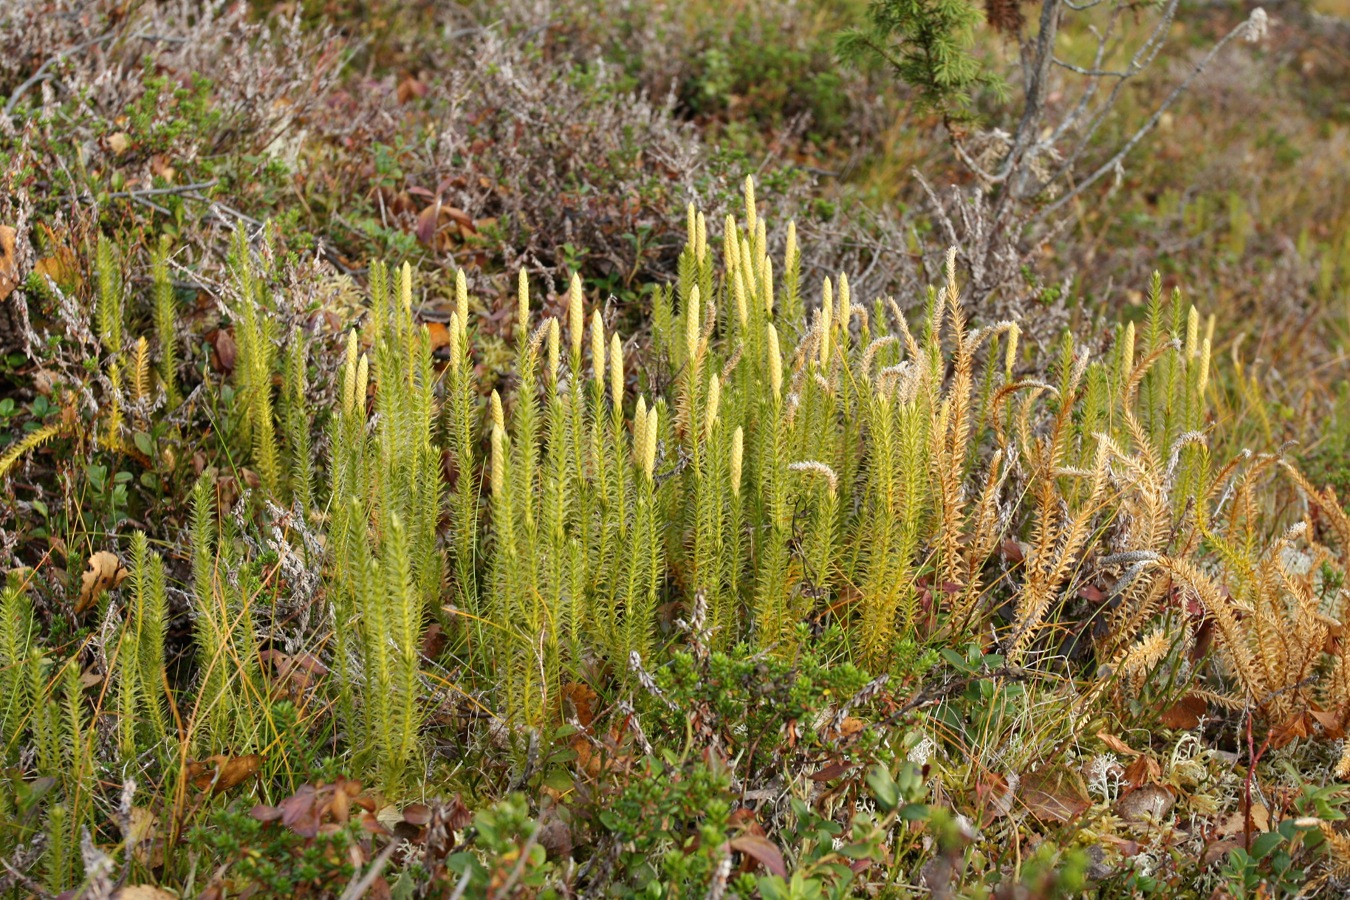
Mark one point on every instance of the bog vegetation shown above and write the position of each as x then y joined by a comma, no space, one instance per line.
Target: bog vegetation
670,565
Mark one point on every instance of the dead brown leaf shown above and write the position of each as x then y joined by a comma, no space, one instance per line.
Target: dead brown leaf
143,892
1054,795
1144,770
61,267
1115,744
104,572
993,795
9,261
142,836
1236,821
1218,850
1333,725
850,727
1150,804
223,349
221,773
1185,713
410,89
832,771
580,698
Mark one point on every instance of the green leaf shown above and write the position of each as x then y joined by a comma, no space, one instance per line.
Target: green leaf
1263,844
915,812
884,788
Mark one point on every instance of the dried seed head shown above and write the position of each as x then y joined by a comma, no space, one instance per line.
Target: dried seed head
498,419
1254,31
950,268
751,217
692,325
553,341
790,257
456,347
714,400
701,238
575,321
691,228
406,288
462,298
737,455
498,461
812,467
1192,333
775,363
845,302
598,347
523,304
1127,350
616,371
1010,356
876,347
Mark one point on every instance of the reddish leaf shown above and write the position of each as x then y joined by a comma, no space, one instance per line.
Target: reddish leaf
223,349
427,220
456,815
299,813
831,772
763,851
1092,593
310,663
264,813
745,818
993,794
417,814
